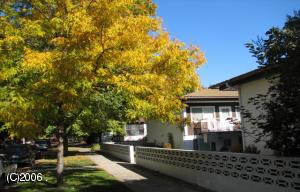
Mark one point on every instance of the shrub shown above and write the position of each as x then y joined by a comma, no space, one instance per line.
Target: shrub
95,147
252,149
167,146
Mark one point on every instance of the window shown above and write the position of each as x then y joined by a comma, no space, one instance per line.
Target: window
201,113
208,112
238,113
196,114
225,112
135,129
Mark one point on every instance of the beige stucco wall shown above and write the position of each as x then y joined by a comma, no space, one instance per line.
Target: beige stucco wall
158,133
246,91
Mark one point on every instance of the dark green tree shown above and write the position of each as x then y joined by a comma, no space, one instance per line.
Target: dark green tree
279,119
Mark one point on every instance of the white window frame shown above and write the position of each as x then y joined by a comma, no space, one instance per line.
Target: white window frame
191,111
144,129
225,107
237,113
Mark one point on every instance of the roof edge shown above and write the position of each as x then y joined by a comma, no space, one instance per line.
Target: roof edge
245,77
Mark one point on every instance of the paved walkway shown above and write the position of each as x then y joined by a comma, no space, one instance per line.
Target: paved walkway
142,180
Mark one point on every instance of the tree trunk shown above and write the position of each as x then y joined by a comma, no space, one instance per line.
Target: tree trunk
100,138
60,157
66,143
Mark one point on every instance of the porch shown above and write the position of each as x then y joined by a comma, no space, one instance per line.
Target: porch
213,125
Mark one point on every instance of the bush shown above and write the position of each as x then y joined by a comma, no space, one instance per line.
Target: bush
95,147
252,149
167,146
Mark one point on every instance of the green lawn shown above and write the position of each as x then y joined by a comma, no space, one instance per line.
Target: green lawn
78,177
70,161
74,158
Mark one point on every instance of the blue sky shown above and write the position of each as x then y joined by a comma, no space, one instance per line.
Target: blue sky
221,28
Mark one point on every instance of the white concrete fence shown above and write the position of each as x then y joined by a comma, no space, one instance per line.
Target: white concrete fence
124,152
224,172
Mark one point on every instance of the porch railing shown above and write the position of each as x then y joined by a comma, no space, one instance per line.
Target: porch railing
215,125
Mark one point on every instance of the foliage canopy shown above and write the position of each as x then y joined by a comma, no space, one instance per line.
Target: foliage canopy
280,117
89,64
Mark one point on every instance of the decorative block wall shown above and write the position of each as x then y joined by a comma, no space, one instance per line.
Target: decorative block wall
224,172
123,152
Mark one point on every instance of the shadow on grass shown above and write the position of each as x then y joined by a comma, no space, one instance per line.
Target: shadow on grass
48,159
75,180
52,154
81,145
79,175
94,180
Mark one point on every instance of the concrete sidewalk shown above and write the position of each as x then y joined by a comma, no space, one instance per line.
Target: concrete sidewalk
142,180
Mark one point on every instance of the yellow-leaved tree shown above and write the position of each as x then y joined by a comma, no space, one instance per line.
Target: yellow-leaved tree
58,56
